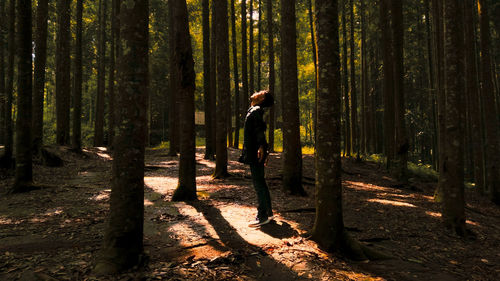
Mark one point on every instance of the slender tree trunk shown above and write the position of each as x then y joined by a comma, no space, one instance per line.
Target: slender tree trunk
272,113
223,87
3,98
207,93
345,76
237,109
364,80
292,150
39,77
354,94
213,78
123,240
9,87
251,83
101,75
313,41
63,81
244,52
259,47
183,61
77,93
453,203
402,142
111,77
473,96
24,168
389,129
174,129
491,122
432,84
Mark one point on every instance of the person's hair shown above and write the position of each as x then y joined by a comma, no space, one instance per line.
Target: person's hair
268,99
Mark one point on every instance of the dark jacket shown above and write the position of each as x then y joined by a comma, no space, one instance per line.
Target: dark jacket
254,135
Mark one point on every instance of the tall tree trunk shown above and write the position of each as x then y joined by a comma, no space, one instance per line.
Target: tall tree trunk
183,61
9,87
491,125
251,83
213,78
345,81
207,93
237,109
223,87
244,52
77,93
432,84
3,98
111,77
313,43
42,12
402,143
101,75
272,113
364,80
389,129
473,96
123,239
24,168
259,47
173,112
63,81
354,94
292,150
453,201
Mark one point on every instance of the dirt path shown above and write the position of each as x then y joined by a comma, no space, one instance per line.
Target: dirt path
55,233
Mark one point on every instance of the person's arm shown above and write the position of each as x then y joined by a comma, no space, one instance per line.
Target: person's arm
260,134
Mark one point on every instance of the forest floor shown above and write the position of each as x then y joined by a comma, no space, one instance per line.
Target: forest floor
55,233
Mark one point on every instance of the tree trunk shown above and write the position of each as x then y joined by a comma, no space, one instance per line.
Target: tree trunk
491,122
183,61
63,86
77,93
101,75
364,80
272,112
292,151
345,76
354,94
453,189
244,65
39,75
3,97
24,168
402,143
223,87
111,78
313,43
213,79
251,83
388,85
259,47
473,96
207,93
237,110
123,240
173,117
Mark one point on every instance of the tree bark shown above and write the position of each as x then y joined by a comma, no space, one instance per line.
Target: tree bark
63,86
223,87
183,61
77,93
364,81
213,79
123,240
292,151
237,110
244,65
259,47
101,75
453,187
251,83
3,98
24,168
345,81
111,77
313,43
39,74
207,93
354,94
491,122
173,118
272,79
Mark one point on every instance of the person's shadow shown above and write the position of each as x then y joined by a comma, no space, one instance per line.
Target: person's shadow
261,266
279,230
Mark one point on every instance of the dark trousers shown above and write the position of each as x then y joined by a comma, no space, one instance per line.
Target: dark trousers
264,209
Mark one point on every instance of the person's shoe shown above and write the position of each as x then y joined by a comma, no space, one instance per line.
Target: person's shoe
260,222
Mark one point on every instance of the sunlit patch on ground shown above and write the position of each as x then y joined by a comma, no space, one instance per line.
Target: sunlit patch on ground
433,214
391,202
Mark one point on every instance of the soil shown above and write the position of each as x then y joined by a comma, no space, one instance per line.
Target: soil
55,233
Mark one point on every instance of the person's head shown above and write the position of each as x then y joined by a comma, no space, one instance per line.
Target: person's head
263,99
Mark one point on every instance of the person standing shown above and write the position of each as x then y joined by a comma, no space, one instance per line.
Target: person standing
255,152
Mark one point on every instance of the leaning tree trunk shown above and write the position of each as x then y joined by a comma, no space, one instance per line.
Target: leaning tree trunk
24,168
42,12
123,240
292,151
207,93
77,93
453,189
491,122
345,81
63,72
183,61
272,79
223,87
